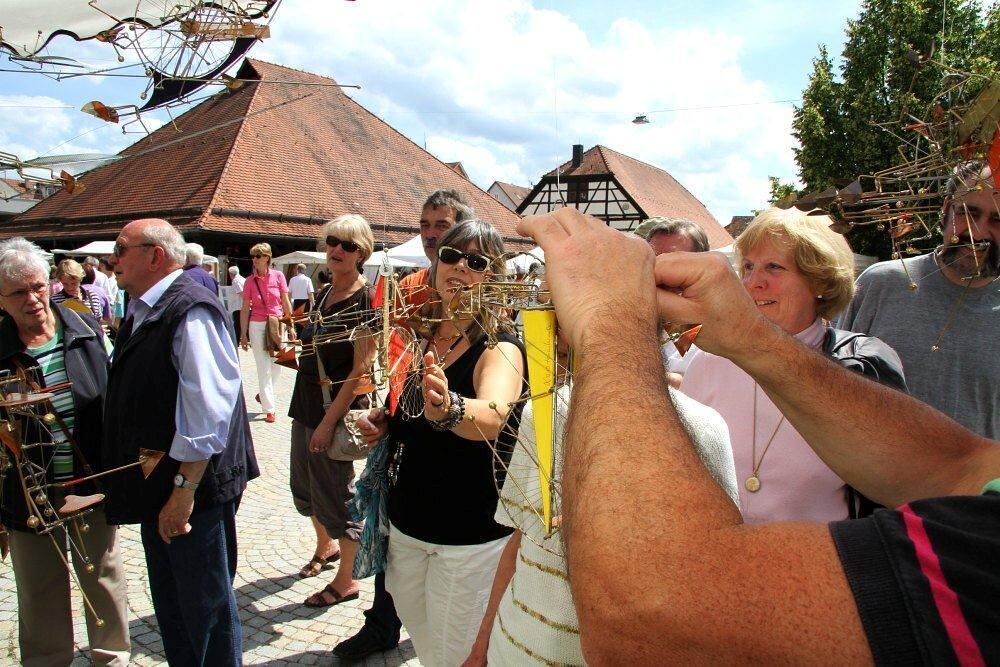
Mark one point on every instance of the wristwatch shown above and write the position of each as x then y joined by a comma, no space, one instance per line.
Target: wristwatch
182,482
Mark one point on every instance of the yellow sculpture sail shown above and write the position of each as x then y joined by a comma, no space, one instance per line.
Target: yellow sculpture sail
540,341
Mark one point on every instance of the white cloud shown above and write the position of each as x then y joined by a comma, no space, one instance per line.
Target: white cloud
507,89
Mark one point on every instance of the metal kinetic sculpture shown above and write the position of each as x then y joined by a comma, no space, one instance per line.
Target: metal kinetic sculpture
28,424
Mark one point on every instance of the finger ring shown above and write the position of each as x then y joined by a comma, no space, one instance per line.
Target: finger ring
438,404
173,532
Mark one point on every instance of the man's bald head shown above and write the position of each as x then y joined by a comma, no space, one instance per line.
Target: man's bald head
146,251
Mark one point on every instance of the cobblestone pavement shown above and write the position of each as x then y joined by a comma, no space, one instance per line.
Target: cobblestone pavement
274,542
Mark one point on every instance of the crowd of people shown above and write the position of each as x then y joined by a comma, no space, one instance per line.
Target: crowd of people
772,493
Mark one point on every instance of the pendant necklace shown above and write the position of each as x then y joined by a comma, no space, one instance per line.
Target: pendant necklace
753,481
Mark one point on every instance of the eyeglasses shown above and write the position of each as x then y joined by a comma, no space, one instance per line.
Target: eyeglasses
118,250
348,246
258,256
474,261
38,289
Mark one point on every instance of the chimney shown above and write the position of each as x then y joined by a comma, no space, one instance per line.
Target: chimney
577,155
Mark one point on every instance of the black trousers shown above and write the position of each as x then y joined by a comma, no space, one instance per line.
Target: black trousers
381,618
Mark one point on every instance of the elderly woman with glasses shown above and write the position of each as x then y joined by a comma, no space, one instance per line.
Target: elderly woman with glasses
67,352
800,274
451,456
265,293
329,373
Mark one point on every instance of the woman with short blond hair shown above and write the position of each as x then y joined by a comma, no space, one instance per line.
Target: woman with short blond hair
800,274
323,487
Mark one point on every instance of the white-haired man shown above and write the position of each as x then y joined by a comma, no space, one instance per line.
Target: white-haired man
193,256
175,387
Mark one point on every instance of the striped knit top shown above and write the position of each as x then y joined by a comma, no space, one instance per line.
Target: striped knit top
51,359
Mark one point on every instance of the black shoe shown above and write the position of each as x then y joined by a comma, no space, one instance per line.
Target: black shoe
363,644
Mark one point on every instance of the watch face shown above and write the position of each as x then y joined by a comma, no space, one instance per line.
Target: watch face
178,479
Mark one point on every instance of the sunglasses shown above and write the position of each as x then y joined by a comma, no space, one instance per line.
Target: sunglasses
474,261
348,246
258,256
118,249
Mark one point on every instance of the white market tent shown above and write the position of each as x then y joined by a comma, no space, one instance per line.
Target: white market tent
95,248
406,255
306,257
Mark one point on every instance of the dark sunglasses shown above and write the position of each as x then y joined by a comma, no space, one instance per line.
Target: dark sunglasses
348,246
474,261
258,256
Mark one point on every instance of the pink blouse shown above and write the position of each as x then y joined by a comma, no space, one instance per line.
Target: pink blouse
271,287
795,485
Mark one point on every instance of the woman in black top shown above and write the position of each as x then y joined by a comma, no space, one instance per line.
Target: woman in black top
323,488
444,543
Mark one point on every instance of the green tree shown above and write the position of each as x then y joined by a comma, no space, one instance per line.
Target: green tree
887,47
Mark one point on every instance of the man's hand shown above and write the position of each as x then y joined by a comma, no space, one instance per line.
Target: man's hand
596,274
702,288
173,520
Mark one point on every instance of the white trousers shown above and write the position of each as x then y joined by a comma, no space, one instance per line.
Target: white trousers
440,592
267,370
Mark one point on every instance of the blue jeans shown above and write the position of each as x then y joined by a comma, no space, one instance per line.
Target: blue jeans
191,581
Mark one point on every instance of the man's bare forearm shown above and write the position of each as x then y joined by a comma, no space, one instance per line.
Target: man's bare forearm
890,446
631,474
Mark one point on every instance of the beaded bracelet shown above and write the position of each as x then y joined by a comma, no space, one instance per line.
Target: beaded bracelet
456,413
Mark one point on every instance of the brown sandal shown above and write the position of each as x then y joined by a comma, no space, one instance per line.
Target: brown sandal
317,565
328,597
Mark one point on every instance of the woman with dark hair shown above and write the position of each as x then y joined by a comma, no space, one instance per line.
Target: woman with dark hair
444,543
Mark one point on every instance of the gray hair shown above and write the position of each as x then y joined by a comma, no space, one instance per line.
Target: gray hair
194,255
20,257
300,267
167,237
234,270
680,226
454,200
90,261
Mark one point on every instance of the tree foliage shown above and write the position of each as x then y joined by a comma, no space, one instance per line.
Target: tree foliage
879,78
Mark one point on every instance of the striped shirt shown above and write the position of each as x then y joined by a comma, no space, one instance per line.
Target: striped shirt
51,359
91,299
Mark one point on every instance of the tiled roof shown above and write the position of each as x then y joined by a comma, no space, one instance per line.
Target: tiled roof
656,192
516,193
738,224
458,169
272,159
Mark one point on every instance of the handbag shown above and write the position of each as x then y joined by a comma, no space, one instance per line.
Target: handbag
273,339
348,443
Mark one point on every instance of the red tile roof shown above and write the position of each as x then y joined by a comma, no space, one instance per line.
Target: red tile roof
458,169
516,193
656,192
272,159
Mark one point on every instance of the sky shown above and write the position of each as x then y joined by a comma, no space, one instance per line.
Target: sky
508,86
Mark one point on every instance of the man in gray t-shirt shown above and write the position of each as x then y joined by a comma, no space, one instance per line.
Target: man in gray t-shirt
941,312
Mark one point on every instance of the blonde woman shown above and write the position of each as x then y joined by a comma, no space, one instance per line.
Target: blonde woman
264,293
323,488
801,275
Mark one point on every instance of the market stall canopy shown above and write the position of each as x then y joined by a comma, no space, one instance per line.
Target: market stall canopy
409,254
93,248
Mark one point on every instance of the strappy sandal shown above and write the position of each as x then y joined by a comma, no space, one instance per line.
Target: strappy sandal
328,597
317,565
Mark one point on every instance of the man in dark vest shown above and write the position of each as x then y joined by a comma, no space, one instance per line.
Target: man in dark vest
175,387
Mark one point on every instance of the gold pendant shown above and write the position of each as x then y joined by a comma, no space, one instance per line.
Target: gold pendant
752,483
